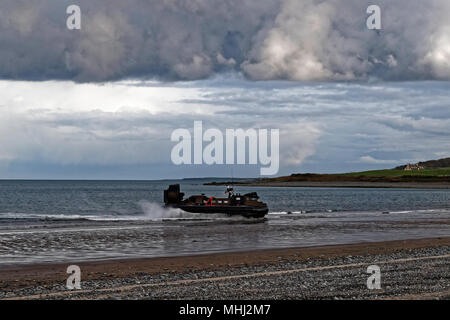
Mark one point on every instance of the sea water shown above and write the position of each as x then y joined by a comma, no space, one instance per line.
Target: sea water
59,221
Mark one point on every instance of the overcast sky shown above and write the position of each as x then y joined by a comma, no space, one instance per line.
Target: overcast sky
101,102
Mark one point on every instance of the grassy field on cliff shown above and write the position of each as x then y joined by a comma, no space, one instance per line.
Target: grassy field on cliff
429,175
397,173
387,175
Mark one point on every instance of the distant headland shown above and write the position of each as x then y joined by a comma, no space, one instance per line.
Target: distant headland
427,174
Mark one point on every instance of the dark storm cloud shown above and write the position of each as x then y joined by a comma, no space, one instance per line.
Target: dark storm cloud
179,39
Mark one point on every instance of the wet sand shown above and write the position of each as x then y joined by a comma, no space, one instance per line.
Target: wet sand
418,268
72,241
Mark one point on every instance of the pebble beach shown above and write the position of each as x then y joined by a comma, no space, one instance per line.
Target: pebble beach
410,269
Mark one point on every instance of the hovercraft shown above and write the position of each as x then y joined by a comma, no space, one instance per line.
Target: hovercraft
246,205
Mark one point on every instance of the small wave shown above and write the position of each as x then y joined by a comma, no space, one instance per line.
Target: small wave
35,216
288,212
149,212
401,212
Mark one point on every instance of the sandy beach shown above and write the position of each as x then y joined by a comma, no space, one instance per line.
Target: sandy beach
410,269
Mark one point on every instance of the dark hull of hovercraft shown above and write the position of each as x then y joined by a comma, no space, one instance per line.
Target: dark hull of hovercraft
246,211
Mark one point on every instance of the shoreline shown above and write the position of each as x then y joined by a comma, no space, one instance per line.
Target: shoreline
341,184
50,278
